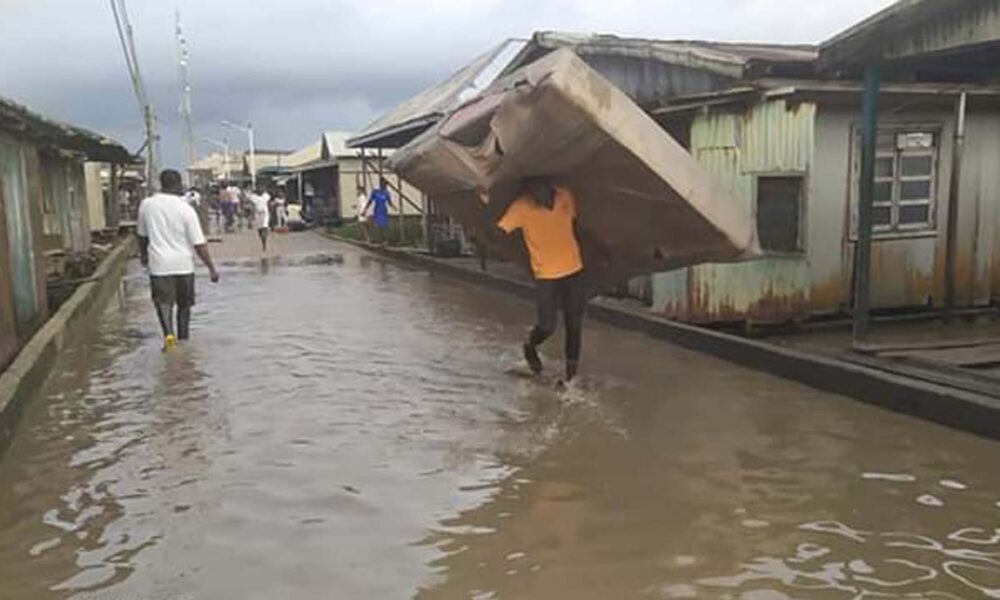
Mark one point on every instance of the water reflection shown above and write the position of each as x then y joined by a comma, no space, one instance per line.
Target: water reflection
344,427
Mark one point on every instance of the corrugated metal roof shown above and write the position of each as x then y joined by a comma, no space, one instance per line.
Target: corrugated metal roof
216,161
266,160
23,122
302,157
335,145
727,59
777,88
413,116
856,39
951,31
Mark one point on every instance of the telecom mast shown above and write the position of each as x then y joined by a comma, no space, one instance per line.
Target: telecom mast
127,39
183,59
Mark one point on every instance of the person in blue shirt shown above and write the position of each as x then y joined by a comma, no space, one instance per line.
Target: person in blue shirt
382,202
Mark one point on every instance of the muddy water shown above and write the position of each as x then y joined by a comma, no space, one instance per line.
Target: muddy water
341,427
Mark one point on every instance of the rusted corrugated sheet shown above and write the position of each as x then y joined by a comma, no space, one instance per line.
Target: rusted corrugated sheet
771,138
769,290
778,137
63,188
20,257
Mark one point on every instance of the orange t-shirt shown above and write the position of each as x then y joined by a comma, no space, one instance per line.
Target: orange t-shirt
549,234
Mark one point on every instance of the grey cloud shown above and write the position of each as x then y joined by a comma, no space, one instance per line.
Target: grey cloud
298,67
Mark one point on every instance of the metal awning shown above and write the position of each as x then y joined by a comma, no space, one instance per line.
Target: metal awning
24,123
940,35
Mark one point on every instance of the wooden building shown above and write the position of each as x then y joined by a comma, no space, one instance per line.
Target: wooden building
44,212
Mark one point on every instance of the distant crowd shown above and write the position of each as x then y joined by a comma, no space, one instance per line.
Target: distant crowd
226,208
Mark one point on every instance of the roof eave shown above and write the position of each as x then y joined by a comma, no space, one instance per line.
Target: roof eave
385,138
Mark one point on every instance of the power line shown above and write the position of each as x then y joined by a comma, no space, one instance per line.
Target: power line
126,37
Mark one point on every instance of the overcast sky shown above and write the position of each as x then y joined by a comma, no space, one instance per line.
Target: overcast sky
295,68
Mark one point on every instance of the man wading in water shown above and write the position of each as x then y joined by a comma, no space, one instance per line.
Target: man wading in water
546,215
260,203
168,229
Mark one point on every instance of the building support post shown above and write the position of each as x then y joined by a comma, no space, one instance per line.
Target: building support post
364,171
402,213
113,210
951,243
863,249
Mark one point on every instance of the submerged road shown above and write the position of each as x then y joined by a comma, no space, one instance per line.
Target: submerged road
345,427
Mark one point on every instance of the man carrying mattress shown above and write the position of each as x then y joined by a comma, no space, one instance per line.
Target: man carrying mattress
546,215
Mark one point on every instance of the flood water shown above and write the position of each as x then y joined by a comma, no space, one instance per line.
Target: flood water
344,427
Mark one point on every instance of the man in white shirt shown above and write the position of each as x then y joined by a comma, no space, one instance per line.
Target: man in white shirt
231,206
169,236
262,215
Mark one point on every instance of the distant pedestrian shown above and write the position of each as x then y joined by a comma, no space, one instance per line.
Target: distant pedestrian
280,209
231,206
361,206
546,214
169,234
380,201
193,198
259,201
248,208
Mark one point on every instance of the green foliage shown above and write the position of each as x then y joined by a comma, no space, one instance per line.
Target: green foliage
411,235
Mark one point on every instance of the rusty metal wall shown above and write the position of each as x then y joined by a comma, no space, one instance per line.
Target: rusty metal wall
908,270
770,138
95,195
19,234
63,185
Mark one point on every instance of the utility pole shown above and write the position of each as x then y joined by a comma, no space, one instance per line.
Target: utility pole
247,129
183,59
127,38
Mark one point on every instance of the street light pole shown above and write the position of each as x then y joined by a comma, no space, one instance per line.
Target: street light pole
247,129
253,158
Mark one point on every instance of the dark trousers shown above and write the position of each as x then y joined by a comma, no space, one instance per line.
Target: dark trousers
568,294
169,291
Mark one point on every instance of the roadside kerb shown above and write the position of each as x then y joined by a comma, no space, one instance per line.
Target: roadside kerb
947,406
34,362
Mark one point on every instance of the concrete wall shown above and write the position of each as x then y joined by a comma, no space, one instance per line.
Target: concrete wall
28,371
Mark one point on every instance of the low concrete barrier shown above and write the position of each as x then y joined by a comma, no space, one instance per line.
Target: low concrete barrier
959,409
28,372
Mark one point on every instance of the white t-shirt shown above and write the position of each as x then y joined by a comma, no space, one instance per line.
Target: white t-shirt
173,230
261,209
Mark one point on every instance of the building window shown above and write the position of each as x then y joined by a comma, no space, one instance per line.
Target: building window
905,181
779,213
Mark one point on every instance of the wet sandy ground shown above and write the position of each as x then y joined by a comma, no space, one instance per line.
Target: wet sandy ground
343,427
